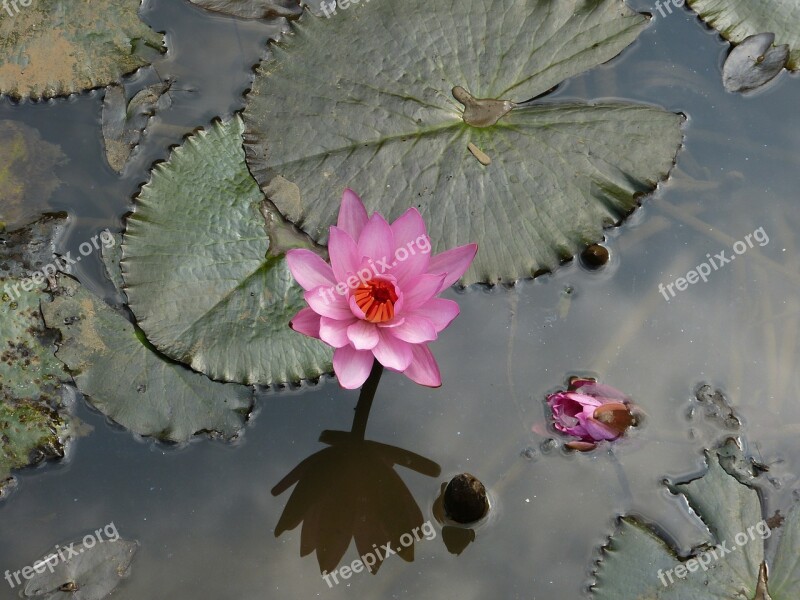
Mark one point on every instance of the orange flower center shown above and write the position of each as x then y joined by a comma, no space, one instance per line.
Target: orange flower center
376,298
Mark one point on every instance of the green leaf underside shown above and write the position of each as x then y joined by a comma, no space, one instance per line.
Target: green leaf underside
147,394
630,565
739,19
197,272
379,116
58,47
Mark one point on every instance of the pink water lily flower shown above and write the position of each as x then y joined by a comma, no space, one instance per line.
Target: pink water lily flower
377,299
591,412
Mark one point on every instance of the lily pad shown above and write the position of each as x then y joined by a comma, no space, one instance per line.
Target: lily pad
124,122
206,283
26,172
638,563
737,20
34,425
424,104
252,9
148,394
754,63
91,571
58,47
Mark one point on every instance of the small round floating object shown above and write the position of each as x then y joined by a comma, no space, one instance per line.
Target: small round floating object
465,499
595,256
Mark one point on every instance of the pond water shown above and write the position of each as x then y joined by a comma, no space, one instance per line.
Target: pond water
204,513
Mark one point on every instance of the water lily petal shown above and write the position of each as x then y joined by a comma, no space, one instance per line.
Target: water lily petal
393,323
334,331
603,393
352,367
454,263
420,291
599,431
327,304
355,310
363,335
392,352
309,269
438,311
306,322
344,254
377,240
583,399
412,246
352,214
423,368
415,330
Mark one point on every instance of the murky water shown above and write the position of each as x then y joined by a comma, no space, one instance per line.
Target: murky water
204,513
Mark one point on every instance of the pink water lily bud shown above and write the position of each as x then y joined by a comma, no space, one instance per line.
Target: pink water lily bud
590,412
377,299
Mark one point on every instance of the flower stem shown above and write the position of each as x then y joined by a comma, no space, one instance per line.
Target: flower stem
359,428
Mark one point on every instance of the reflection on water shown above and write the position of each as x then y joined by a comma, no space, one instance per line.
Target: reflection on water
204,513
350,490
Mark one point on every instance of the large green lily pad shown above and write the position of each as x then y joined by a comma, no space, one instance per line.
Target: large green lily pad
26,172
33,422
739,19
638,564
380,115
205,282
58,47
148,394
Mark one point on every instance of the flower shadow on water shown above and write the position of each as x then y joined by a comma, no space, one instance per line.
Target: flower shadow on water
350,490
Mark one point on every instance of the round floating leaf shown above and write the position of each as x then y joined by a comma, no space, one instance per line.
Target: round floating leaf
148,394
753,63
739,19
253,9
57,47
198,273
90,571
638,564
26,172
33,423
382,113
